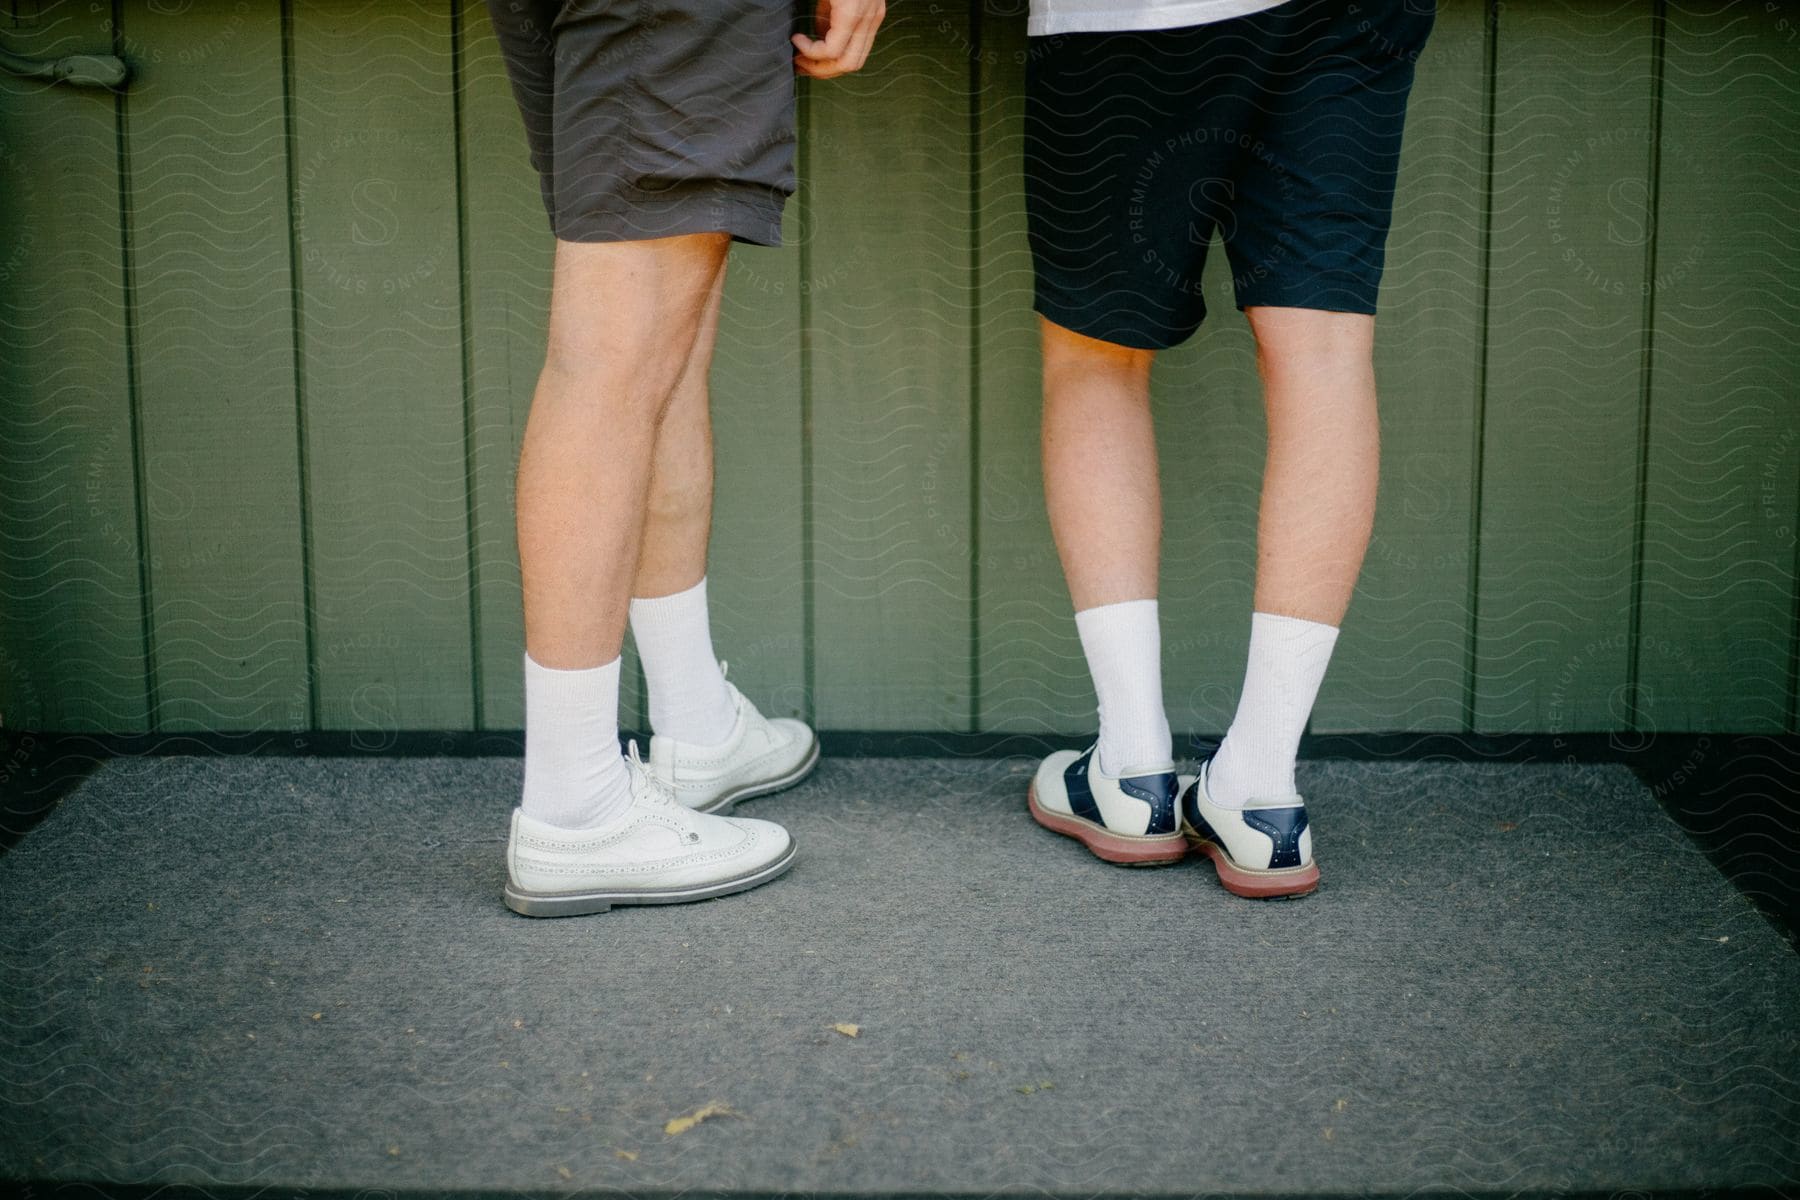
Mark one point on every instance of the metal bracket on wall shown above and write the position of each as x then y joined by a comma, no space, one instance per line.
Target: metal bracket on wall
76,70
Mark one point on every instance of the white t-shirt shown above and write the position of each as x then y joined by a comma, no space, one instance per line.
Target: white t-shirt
1111,16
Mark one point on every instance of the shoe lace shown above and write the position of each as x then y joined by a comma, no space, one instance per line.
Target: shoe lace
644,782
647,786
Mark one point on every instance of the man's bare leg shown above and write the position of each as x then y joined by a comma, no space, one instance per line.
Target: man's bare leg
669,614
1100,483
624,319
1318,508
1105,502
1098,430
1324,458
678,515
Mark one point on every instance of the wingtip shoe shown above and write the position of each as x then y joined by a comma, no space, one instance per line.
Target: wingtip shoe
1127,819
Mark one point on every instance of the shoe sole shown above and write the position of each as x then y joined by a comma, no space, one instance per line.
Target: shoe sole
564,904
1282,883
1124,849
768,786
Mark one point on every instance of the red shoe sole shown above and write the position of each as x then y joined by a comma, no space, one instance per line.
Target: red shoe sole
1120,848
1258,885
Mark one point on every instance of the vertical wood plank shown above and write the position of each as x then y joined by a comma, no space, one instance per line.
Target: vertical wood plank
1401,660
376,218
1565,339
888,294
1724,448
1033,676
216,365
72,647
757,573
508,251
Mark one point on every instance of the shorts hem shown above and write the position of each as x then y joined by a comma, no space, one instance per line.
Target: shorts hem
1109,328
748,214
1309,298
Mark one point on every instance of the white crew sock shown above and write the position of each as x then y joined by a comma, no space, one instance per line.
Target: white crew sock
1288,657
1123,645
574,774
688,697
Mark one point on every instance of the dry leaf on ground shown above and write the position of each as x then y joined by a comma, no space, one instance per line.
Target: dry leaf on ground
680,1125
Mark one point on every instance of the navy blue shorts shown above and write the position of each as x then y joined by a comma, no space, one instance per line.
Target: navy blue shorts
1279,130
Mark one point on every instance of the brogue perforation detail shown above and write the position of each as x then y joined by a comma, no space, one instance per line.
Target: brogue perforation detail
1158,791
1283,826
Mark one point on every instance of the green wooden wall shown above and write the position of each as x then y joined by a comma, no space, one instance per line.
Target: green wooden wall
269,323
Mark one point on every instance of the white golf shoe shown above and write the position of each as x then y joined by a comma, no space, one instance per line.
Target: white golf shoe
658,853
761,755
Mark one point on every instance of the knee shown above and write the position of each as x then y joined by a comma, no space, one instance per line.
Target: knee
1311,338
602,366
624,315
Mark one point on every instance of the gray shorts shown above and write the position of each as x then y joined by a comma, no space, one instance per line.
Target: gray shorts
652,118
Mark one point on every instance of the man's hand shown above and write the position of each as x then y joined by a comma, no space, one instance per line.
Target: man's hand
846,30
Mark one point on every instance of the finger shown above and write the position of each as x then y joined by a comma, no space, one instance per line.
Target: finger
858,53
837,38
828,70
810,47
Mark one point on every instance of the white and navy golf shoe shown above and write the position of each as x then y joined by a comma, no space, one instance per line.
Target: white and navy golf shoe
1128,819
1263,850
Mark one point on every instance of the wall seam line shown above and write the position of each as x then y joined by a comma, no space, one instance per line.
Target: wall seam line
1646,356
134,391
465,328
808,550
1792,723
1478,433
296,290
974,332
